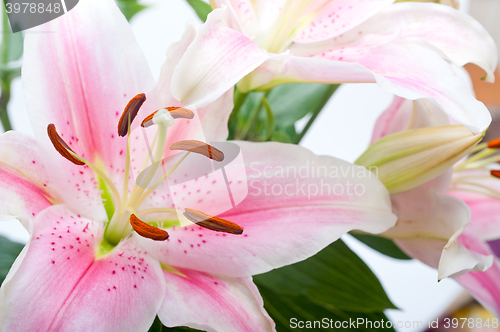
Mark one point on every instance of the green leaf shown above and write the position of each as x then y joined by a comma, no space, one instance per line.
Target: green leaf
288,311
291,102
157,326
201,8
129,8
9,250
335,278
382,245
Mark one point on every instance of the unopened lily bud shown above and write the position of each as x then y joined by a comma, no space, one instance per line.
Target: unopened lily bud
407,159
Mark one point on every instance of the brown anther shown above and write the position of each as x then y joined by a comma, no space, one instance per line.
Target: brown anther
129,113
200,148
146,230
180,112
495,173
494,144
175,112
213,223
61,146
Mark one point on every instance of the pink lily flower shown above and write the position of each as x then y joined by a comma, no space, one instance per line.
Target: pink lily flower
408,48
450,223
95,260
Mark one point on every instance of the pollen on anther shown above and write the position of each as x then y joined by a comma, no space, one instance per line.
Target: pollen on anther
61,146
129,113
148,231
494,144
200,148
213,223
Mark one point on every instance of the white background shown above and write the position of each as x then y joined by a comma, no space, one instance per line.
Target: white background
342,130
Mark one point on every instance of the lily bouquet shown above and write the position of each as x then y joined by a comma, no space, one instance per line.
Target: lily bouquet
186,201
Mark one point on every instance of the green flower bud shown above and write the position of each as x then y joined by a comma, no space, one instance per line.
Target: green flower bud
407,159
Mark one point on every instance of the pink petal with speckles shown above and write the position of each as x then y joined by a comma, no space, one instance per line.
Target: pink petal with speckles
58,285
244,11
454,34
409,71
25,186
213,303
80,77
335,17
285,219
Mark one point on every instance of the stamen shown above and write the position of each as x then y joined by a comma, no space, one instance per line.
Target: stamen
176,112
129,113
199,147
61,146
494,144
146,230
495,173
213,223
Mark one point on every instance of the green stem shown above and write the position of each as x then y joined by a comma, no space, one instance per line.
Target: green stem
238,99
333,87
4,101
4,76
254,116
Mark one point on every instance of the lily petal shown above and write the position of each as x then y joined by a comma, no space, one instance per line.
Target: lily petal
482,228
213,303
59,279
216,60
333,18
267,11
428,228
213,118
427,24
484,287
75,78
409,71
244,11
437,27
281,211
404,114
209,123
25,186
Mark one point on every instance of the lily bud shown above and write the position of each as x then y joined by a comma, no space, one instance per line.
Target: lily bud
407,159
